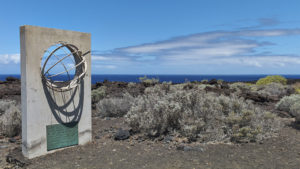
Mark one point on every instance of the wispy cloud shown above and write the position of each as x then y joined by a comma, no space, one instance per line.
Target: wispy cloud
246,46
9,58
268,22
217,47
105,66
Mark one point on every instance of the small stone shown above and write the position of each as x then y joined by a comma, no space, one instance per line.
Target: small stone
122,134
97,137
12,140
180,147
187,148
3,146
168,139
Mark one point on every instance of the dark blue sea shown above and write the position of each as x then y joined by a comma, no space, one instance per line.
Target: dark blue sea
173,78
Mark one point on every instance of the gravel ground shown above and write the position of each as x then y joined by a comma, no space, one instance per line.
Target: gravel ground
136,152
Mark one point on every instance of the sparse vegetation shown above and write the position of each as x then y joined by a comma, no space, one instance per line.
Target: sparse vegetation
272,79
197,111
182,117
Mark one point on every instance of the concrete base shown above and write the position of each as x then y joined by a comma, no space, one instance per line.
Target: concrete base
42,106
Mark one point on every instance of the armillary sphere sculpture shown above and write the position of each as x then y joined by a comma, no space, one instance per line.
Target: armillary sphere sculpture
79,62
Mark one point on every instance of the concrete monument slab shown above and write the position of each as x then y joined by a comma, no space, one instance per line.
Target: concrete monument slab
54,114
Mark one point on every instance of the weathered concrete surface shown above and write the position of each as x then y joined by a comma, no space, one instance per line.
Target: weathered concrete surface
42,106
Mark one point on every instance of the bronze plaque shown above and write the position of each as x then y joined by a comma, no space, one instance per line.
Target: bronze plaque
61,135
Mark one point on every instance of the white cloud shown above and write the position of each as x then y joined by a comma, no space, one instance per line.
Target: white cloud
266,33
100,58
105,66
9,58
259,61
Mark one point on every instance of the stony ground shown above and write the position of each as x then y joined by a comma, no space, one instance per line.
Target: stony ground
136,152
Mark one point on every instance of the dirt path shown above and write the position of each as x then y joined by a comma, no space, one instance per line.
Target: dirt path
105,152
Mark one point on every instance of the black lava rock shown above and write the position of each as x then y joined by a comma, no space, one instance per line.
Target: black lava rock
12,140
122,134
168,139
213,82
12,160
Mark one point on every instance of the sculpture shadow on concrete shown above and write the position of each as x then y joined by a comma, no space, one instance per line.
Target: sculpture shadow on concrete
69,112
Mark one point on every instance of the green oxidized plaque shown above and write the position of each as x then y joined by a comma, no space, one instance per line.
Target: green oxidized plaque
61,135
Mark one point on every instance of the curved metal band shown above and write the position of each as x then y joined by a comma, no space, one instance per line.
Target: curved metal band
81,68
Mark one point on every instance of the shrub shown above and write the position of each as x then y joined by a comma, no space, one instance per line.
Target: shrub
114,107
287,102
274,89
290,104
98,94
295,111
272,79
148,81
10,118
131,84
204,81
240,87
160,89
270,92
199,115
220,81
296,86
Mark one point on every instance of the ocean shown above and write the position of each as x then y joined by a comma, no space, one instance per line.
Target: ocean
167,78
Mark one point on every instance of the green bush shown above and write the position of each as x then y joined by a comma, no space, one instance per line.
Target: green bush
272,79
146,80
98,94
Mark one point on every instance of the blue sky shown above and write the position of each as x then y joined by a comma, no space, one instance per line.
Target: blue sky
167,37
